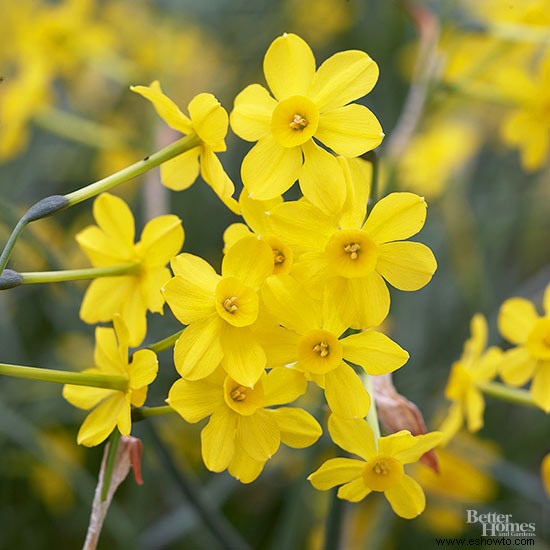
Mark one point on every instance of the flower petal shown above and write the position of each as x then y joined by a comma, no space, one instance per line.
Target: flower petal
354,491
107,355
516,319
397,216
249,260
475,405
422,444
269,169
84,397
101,421
298,428
214,175
407,498
116,220
283,385
209,118
358,173
243,467
259,435
152,281
188,301
345,393
289,66
161,239
101,250
517,366
540,388
375,352
143,368
181,172
406,265
104,297
218,440
195,270
194,401
251,115
134,314
352,435
335,472
342,78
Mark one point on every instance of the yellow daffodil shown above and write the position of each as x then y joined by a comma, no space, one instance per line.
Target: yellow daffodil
519,323
209,121
243,433
220,311
309,334
112,407
111,243
545,473
476,366
308,105
352,259
381,468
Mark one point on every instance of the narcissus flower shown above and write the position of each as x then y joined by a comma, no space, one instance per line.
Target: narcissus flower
309,334
519,323
476,366
209,121
350,260
220,311
308,105
112,407
243,433
381,468
111,243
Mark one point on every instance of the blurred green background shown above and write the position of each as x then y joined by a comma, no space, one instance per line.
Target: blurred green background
67,118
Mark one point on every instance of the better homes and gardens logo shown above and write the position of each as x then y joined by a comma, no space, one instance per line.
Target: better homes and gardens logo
500,525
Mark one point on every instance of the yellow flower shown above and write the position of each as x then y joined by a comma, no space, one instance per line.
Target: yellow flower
307,104
110,243
545,473
243,433
309,334
112,407
352,259
381,468
519,323
475,367
209,121
220,311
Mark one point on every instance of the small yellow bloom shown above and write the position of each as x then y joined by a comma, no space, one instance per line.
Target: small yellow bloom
519,323
381,468
112,408
209,121
308,105
110,243
243,433
476,366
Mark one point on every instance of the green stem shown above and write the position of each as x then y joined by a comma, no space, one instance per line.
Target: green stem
517,396
372,415
6,253
141,413
174,149
94,380
165,343
77,274
114,441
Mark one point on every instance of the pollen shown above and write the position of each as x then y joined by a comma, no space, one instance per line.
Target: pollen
238,394
322,348
298,122
380,469
353,250
278,256
230,304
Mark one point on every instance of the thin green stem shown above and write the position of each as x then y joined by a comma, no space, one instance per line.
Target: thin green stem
77,274
174,149
372,415
517,396
94,380
6,253
114,441
141,413
165,343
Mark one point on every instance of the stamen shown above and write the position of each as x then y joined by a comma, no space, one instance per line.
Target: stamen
322,348
352,249
230,305
238,394
278,256
380,469
298,122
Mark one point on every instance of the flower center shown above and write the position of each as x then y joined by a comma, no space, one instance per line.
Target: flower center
322,348
282,255
236,303
230,304
242,399
294,121
278,256
353,250
298,122
319,352
382,472
351,253
238,394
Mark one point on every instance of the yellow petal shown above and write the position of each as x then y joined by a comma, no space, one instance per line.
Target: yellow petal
218,440
342,78
84,397
406,265
243,357
106,352
312,271
143,368
330,316
214,175
194,401
243,467
488,365
165,107
545,473
256,213
259,435
187,300
406,498
195,270
322,179
517,366
101,421
335,472
181,172
358,173
375,352
124,419
198,350
352,435
345,393
234,233
540,387
151,283
283,385
422,444
298,428
354,491
289,66
475,405
251,115
516,319
280,344
116,220
161,239
546,301
101,249
396,217
249,260
209,118
134,314
350,131
452,423
269,169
